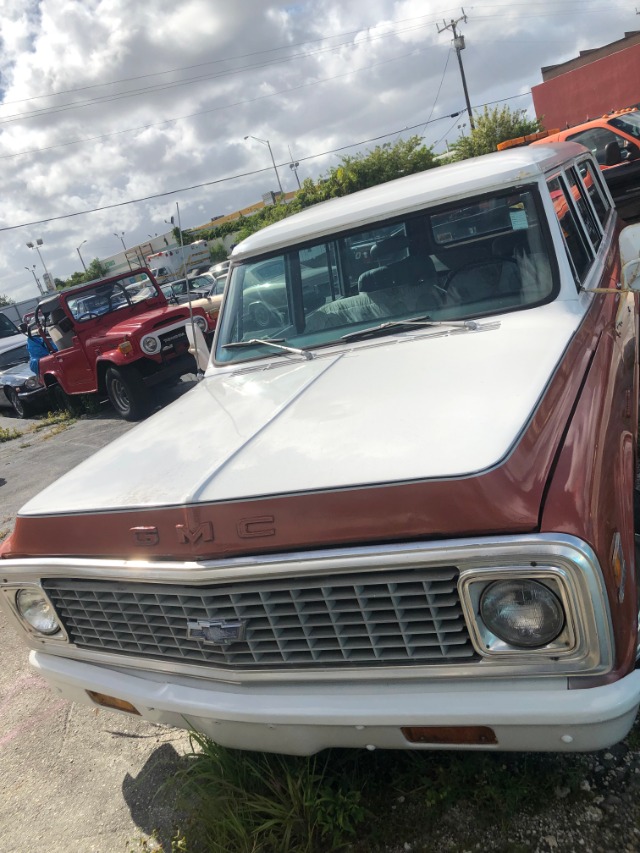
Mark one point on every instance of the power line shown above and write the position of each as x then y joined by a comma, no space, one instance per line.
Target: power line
219,108
105,99
240,174
46,111
226,59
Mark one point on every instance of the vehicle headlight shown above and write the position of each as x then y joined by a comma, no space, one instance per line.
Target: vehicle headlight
200,322
31,383
522,613
35,609
150,344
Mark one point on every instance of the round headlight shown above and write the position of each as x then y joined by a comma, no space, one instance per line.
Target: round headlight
31,382
522,613
200,322
150,344
36,610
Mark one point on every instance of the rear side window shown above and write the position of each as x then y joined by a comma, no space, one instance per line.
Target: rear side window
593,185
578,250
586,212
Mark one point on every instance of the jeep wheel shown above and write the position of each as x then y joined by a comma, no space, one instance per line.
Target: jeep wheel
19,407
128,394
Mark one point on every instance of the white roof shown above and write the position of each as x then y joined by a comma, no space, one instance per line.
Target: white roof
414,192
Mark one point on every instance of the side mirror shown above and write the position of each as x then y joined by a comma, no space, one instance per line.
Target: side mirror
612,154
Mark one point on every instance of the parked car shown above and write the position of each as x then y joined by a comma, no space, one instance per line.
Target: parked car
203,283
398,518
116,336
221,268
10,334
20,389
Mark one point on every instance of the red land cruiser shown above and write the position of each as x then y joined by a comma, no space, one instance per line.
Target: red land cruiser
117,335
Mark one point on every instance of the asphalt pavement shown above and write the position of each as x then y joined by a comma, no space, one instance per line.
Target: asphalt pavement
72,778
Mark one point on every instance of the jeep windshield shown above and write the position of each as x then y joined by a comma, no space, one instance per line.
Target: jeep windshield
106,297
484,256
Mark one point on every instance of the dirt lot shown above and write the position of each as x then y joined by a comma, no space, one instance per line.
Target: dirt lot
72,778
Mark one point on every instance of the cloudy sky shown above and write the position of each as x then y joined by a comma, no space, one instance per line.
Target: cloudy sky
113,111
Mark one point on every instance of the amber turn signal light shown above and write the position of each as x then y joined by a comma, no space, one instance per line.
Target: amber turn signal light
112,702
463,735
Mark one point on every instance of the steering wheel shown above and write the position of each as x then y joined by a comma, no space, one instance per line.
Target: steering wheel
89,315
497,259
262,315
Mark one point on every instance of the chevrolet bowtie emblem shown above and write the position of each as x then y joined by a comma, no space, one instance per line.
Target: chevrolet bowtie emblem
216,632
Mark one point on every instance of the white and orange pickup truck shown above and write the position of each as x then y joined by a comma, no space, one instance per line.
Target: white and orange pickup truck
400,510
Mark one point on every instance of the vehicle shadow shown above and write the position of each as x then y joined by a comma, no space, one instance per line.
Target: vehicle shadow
152,795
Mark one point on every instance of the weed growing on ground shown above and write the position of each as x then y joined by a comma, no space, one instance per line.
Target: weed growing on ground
359,801
9,434
250,801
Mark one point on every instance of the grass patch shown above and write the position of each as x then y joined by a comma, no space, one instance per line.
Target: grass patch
57,421
9,434
362,802
252,801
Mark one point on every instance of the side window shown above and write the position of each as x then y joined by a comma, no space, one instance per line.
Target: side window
575,241
596,140
593,185
584,207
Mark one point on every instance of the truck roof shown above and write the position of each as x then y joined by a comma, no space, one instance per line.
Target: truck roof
413,192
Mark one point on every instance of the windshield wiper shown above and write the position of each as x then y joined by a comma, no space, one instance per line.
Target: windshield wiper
422,322
276,343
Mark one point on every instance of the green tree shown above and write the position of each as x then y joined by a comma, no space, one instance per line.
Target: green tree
96,269
217,252
5,300
492,127
384,163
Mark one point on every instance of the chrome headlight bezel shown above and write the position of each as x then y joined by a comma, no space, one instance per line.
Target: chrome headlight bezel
39,603
150,344
200,322
473,583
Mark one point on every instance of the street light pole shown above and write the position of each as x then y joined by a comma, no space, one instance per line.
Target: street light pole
120,237
275,168
36,246
84,266
35,278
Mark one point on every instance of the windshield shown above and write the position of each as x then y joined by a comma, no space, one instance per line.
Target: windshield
106,297
7,328
11,357
628,123
485,256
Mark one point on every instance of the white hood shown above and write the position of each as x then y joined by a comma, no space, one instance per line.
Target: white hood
393,409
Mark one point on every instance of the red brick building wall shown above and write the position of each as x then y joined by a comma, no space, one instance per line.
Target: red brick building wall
589,86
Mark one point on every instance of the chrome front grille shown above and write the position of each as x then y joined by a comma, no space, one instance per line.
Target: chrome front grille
394,617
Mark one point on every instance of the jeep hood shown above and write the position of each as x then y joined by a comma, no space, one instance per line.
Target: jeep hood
429,405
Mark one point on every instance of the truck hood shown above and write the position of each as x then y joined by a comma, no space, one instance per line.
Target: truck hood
429,405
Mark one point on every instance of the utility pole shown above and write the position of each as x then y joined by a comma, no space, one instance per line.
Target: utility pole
458,43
